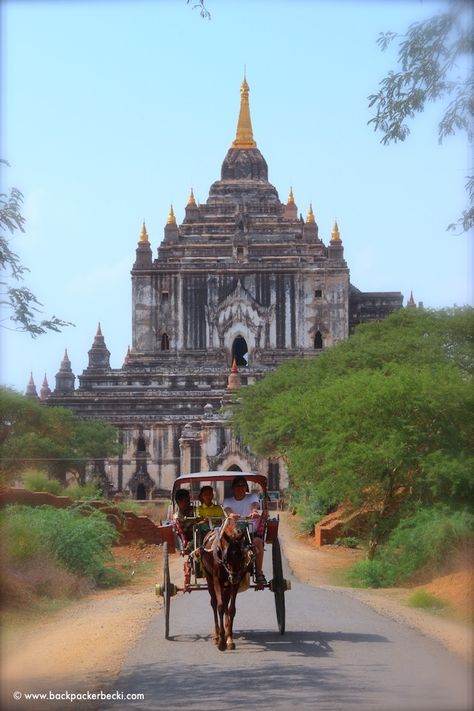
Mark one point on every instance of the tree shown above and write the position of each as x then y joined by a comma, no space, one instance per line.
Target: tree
382,420
52,439
203,11
20,304
431,57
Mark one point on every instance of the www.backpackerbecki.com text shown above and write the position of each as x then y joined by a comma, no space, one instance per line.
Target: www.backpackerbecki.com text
73,696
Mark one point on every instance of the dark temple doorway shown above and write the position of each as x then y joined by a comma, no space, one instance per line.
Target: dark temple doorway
240,351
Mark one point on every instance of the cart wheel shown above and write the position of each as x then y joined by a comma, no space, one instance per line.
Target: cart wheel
278,585
166,590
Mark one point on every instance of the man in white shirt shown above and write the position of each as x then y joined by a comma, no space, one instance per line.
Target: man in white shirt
245,505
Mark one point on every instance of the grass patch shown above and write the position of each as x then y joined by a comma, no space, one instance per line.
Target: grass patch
423,600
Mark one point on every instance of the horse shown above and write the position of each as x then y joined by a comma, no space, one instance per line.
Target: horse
226,560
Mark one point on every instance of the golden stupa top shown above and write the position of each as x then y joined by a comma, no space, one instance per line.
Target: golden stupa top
291,197
143,233
335,235
191,200
244,134
310,216
171,218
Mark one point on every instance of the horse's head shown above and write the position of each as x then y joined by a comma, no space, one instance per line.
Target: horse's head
233,559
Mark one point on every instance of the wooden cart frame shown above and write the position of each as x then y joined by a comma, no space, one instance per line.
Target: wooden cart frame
277,585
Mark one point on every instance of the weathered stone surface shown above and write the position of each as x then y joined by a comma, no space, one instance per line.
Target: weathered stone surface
241,278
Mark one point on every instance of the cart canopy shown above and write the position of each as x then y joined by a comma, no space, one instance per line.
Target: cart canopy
198,478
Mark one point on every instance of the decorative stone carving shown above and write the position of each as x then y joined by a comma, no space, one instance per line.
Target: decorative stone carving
238,309
233,449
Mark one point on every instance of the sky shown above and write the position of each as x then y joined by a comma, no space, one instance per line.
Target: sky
112,110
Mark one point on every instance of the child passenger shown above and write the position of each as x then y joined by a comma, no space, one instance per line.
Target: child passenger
208,509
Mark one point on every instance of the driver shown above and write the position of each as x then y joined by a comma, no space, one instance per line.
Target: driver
243,504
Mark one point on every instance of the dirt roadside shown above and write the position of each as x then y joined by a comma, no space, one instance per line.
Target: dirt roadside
83,645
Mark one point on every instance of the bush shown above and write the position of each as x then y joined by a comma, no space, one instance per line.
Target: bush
129,505
421,545
371,574
424,600
347,541
39,481
309,506
80,543
84,492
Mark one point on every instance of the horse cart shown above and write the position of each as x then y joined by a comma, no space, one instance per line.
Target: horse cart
198,552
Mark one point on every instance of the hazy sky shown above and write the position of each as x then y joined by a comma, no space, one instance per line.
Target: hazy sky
113,110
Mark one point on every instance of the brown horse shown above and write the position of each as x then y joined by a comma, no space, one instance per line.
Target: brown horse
226,560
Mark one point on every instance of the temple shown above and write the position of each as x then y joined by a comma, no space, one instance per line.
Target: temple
241,285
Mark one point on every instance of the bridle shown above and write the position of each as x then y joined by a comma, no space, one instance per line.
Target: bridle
222,557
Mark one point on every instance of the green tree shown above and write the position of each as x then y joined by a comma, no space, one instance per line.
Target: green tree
52,439
383,419
435,60
18,302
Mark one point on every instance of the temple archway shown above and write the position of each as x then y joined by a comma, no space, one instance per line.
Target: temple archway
318,340
239,351
141,492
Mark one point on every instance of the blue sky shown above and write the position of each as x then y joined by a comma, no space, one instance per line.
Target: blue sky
113,110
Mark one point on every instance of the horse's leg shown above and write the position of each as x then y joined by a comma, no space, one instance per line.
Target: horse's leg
220,593
230,618
212,593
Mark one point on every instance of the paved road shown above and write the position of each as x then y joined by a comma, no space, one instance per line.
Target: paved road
337,655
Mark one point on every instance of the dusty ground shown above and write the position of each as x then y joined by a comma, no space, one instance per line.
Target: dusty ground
83,645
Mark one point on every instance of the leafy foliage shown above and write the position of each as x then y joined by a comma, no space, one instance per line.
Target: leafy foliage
39,481
421,542
18,302
383,420
54,439
431,57
82,544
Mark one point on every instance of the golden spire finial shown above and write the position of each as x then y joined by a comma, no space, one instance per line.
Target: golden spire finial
191,200
291,197
143,233
171,218
310,216
335,235
244,134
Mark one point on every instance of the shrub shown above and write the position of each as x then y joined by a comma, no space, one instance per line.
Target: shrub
371,574
309,506
129,505
420,545
39,481
84,492
347,541
426,601
80,543
423,543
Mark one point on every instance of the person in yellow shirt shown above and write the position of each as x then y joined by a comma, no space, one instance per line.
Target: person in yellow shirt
208,509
